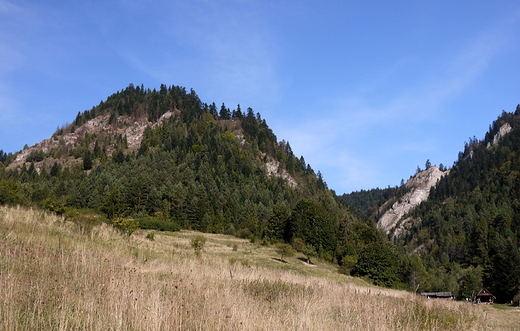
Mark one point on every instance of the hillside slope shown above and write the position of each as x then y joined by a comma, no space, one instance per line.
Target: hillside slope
56,276
163,159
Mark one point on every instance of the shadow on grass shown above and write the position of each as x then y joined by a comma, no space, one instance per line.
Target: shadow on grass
279,260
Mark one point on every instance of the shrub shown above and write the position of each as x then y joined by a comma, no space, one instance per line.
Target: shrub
35,156
274,290
125,225
53,205
309,251
284,250
516,299
10,192
198,243
84,219
347,263
245,234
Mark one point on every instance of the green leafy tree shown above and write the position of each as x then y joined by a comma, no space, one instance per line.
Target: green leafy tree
53,205
125,225
311,224
284,250
277,221
416,274
309,251
10,192
471,282
87,160
113,205
379,261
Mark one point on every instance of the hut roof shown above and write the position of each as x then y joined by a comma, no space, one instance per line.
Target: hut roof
485,293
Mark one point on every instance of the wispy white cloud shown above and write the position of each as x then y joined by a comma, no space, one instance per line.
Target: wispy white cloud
355,118
8,8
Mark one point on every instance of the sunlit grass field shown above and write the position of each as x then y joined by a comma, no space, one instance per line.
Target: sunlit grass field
55,275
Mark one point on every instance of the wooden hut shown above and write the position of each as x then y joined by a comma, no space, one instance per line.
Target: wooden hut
484,296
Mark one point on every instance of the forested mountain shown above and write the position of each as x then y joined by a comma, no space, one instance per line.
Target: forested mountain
472,217
163,159
365,203
467,233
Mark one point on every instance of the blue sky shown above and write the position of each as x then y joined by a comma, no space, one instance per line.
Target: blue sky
366,91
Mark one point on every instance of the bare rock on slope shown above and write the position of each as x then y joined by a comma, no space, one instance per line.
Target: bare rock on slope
504,129
419,186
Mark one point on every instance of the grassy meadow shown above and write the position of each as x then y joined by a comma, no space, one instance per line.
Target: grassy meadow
56,275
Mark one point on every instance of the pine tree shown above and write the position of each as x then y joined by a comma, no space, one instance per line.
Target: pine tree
87,160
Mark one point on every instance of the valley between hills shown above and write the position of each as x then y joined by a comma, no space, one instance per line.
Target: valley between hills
154,210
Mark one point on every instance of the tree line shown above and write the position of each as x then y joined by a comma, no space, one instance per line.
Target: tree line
204,168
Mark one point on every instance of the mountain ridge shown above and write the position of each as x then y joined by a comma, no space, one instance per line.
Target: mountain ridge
164,160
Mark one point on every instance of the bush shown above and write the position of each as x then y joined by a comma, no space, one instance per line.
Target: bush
245,234
10,192
516,299
274,290
309,251
347,263
35,156
284,250
84,219
125,225
198,243
53,205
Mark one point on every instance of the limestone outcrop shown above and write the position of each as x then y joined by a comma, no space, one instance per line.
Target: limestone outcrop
419,190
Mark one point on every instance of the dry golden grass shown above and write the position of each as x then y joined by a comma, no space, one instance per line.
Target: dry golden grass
501,319
53,277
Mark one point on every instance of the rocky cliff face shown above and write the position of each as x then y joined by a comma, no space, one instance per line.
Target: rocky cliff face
132,129
419,189
504,129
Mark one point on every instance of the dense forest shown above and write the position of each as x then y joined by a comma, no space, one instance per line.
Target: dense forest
214,169
472,218
467,234
202,167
